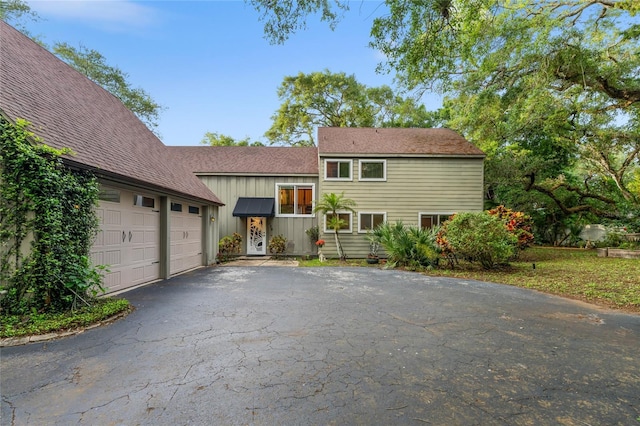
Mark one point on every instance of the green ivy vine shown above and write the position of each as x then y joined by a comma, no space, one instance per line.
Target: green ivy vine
48,224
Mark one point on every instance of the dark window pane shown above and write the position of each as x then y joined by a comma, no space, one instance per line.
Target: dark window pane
372,170
175,207
194,210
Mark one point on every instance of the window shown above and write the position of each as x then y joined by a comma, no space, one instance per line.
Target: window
337,169
431,220
369,221
112,195
176,207
295,199
194,210
373,169
142,201
344,217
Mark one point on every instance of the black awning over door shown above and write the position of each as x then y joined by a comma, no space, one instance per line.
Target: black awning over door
254,207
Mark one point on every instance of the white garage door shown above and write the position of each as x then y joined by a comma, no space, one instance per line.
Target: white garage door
128,241
186,237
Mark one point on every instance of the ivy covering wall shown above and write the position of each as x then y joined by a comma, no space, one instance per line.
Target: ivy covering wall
48,224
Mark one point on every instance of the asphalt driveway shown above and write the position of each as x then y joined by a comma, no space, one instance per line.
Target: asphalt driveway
298,346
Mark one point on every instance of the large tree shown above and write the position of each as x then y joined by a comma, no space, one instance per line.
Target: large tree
551,82
338,100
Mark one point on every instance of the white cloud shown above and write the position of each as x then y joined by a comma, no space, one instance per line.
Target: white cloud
115,14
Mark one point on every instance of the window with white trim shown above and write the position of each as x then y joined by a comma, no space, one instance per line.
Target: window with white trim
338,169
294,199
432,220
373,170
345,227
367,221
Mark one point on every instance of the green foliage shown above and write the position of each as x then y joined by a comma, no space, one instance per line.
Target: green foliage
48,226
313,233
92,64
407,246
229,246
330,205
326,99
479,237
36,323
517,223
218,139
277,245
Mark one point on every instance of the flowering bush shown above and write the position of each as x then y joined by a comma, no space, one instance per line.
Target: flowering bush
320,243
517,223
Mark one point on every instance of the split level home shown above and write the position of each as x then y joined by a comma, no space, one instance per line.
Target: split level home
417,176
163,209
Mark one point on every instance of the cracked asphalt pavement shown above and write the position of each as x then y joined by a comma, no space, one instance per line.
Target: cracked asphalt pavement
333,346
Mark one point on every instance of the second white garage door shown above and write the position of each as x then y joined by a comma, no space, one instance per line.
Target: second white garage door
186,237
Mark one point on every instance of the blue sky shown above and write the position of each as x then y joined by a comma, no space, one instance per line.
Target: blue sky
208,62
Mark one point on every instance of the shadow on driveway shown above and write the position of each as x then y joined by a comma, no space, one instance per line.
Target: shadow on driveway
279,345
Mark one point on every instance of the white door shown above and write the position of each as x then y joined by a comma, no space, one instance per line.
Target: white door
257,235
186,237
128,239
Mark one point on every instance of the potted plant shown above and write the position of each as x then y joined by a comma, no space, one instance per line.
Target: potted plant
374,246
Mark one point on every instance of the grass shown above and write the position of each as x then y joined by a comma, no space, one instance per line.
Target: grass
34,324
574,273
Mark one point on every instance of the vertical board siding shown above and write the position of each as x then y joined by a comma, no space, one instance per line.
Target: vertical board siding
230,188
413,185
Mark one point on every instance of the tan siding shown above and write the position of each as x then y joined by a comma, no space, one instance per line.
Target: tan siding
413,185
230,188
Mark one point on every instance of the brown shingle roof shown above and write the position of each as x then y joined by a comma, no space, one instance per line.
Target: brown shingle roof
393,142
248,159
68,110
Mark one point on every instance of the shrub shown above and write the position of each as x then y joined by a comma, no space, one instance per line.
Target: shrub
277,245
478,237
229,246
407,246
517,223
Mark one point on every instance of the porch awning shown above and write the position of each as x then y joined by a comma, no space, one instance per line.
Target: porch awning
254,207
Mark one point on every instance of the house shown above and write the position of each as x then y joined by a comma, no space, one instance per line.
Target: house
162,209
156,216
268,191
418,176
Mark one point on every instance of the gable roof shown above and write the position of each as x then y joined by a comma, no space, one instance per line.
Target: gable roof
68,110
394,142
248,160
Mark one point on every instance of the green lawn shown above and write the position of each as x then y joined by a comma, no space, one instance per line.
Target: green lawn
575,273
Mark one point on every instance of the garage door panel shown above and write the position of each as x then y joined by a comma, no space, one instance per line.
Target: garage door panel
186,240
127,242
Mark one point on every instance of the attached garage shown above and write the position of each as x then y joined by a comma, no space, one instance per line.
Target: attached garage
141,239
186,236
129,238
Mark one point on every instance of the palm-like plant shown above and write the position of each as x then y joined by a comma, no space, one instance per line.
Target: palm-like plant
332,204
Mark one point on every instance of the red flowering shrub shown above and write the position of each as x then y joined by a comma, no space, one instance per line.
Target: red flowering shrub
516,223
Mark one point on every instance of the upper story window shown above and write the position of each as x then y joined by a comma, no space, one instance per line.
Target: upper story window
373,169
295,199
338,169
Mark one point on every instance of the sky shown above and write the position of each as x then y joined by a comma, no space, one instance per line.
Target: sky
208,62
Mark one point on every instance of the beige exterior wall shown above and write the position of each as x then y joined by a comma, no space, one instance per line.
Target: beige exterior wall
412,186
230,188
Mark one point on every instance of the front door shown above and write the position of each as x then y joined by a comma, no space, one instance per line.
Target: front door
257,235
